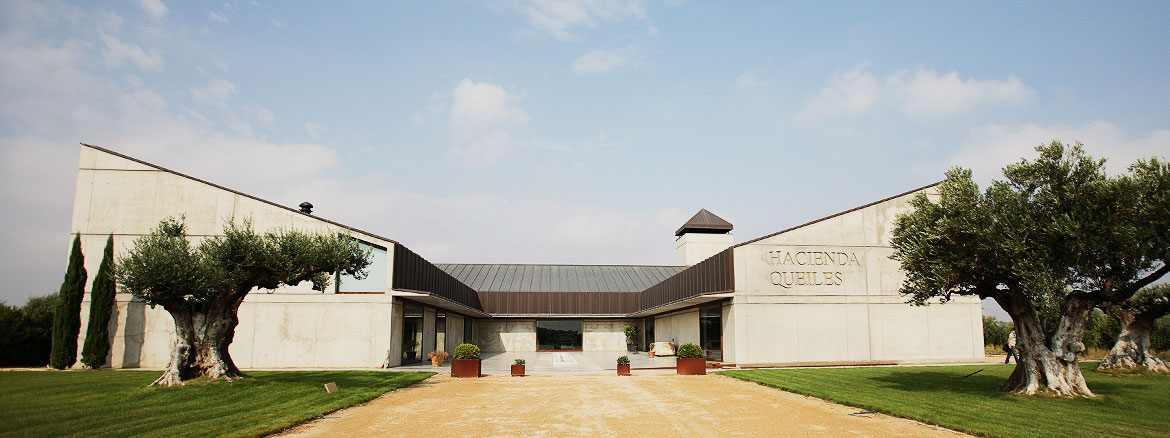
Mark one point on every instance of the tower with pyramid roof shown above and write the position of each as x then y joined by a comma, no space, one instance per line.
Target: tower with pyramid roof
701,237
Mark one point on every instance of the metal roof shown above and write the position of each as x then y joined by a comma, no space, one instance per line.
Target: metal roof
558,278
704,222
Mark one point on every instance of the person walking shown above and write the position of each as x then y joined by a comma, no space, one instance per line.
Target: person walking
1011,350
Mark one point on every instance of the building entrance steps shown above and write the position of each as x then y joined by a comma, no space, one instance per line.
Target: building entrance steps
560,363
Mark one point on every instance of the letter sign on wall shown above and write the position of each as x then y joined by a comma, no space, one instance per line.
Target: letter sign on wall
807,270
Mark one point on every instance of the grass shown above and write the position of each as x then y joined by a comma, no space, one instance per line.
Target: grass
118,403
1128,406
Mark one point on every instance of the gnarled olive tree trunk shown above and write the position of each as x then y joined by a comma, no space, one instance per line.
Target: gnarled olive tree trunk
203,334
1132,349
1048,364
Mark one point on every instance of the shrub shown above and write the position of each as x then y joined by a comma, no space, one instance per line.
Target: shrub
624,360
67,320
995,332
466,351
440,354
97,335
689,351
630,331
518,362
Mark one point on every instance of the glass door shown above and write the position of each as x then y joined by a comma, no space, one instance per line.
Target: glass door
441,331
559,335
412,323
711,331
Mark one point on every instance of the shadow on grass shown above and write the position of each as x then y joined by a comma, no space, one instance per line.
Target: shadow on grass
911,380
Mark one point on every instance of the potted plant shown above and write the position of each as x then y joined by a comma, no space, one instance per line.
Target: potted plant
438,357
518,367
650,350
690,360
623,365
631,331
465,362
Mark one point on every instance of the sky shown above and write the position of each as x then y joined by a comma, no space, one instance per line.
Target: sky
540,131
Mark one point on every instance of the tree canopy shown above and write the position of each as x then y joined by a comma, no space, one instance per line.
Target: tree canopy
203,286
1055,238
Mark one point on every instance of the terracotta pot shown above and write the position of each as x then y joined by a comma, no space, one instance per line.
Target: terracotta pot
651,353
517,370
691,366
436,361
623,370
464,367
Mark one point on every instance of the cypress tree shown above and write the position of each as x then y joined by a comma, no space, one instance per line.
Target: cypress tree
101,304
67,320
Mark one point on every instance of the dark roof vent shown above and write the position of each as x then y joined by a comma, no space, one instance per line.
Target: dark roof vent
705,222
306,208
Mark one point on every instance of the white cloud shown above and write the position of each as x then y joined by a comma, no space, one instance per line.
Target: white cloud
117,52
216,91
277,23
749,80
988,149
154,8
924,93
221,65
262,114
217,17
559,17
482,115
603,61
314,130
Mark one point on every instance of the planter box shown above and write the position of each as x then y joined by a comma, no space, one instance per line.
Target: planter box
623,370
464,367
630,348
517,370
694,367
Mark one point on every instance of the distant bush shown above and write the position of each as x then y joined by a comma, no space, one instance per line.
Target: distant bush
689,351
466,351
26,333
995,333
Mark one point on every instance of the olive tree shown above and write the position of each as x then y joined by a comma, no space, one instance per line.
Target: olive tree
1049,243
202,286
1137,316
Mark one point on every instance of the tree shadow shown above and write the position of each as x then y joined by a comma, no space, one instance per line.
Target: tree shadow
925,380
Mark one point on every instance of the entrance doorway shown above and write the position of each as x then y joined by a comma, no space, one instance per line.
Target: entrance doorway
412,328
559,335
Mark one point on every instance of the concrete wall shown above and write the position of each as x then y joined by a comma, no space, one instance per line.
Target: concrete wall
292,327
606,335
680,328
497,336
692,248
454,332
828,293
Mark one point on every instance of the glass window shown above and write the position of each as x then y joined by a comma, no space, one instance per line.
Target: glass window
559,334
412,323
468,331
711,331
375,281
441,331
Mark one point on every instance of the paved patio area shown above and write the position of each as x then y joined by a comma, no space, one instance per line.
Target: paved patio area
562,363
587,406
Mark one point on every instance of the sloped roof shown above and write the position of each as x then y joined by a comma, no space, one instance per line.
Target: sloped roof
558,278
704,222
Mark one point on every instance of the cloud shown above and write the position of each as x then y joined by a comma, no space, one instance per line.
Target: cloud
216,91
558,17
153,8
314,130
749,80
988,149
603,61
924,93
482,115
217,17
117,52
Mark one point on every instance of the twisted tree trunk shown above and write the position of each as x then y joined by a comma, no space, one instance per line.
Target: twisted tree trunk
1132,349
202,337
1048,364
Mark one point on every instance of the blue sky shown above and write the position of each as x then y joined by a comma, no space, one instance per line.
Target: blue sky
560,131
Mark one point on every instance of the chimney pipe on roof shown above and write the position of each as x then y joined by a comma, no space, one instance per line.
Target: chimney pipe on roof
306,208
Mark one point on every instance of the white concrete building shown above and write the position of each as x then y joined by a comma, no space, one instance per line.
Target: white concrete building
821,293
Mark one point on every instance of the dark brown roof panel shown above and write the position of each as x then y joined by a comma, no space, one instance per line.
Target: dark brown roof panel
704,222
559,278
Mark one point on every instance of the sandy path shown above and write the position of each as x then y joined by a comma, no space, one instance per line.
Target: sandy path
559,406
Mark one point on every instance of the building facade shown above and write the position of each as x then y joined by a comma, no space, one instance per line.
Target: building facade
824,292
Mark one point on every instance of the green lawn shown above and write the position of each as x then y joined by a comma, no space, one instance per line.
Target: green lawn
118,403
1128,406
